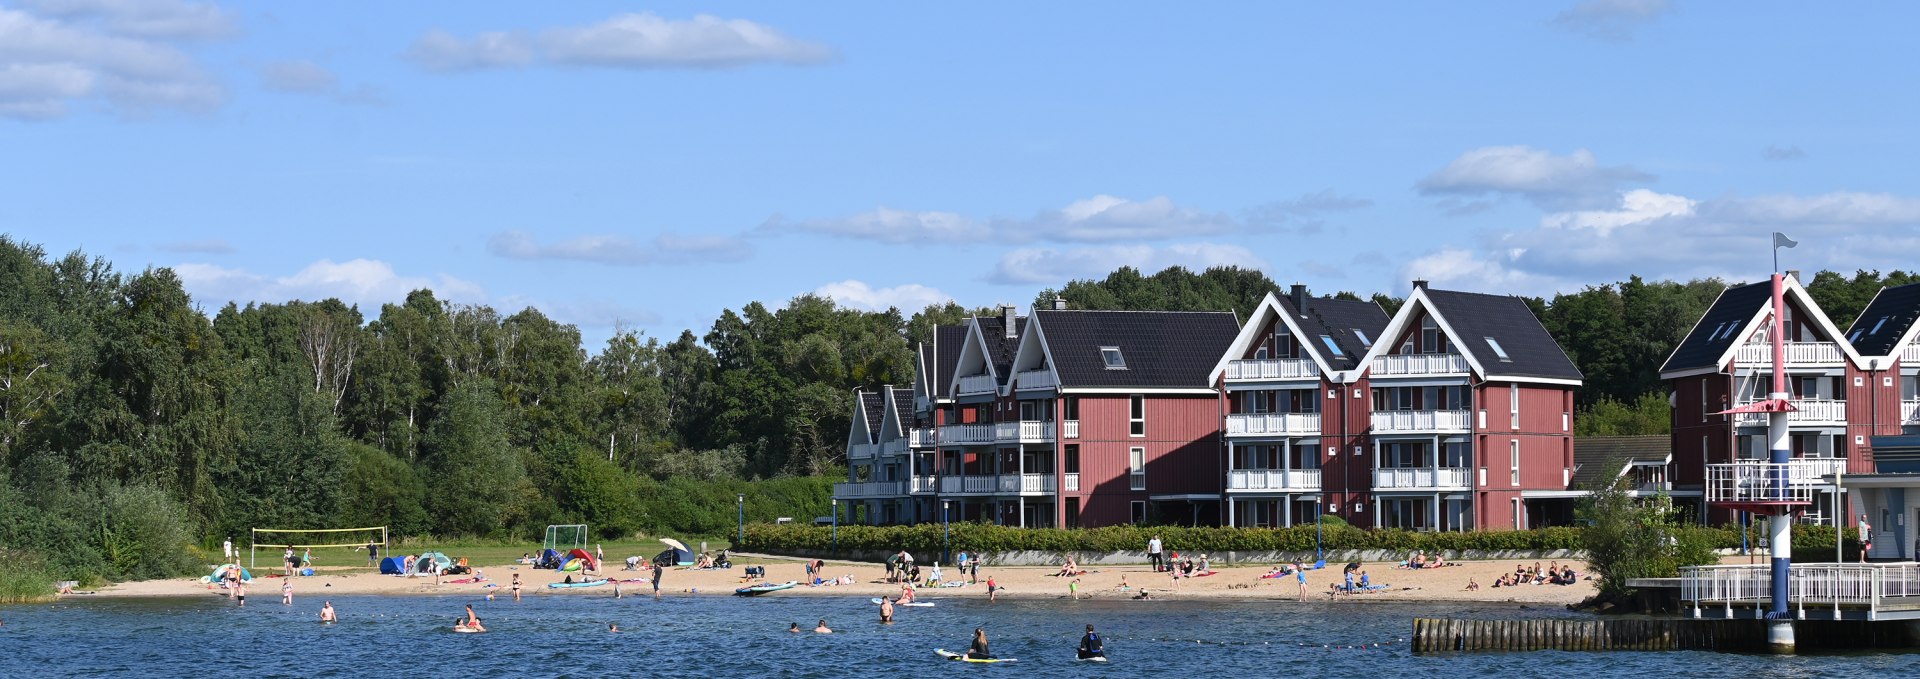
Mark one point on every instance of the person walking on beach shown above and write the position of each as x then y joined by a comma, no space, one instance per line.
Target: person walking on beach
1073,589
1153,552
373,553
659,572
1866,538
227,548
993,588
292,561
1301,574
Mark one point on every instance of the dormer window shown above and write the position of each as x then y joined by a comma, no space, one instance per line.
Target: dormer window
1499,350
1365,342
1111,356
1333,346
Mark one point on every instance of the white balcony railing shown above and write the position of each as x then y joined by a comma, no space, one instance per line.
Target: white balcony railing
1272,369
1035,379
1910,412
1809,411
1751,481
1001,484
1268,424
1798,353
920,437
862,451
1073,483
922,485
1070,429
966,434
1421,477
1026,484
977,384
1420,364
1872,585
1422,421
871,489
1910,354
1273,479
1023,432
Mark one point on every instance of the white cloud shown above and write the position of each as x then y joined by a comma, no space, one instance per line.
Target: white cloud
1548,180
887,225
1611,20
858,294
161,19
1048,266
298,76
1305,213
365,282
1636,206
622,251
48,64
1101,218
641,40
1783,153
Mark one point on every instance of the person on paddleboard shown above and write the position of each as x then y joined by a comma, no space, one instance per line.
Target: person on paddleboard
1091,646
978,651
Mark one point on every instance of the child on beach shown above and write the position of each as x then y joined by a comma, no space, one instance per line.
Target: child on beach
993,588
286,591
1073,589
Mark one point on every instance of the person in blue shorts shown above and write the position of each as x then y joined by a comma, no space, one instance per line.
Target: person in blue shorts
1301,574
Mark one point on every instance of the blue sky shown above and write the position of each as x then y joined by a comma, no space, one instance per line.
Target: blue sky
651,164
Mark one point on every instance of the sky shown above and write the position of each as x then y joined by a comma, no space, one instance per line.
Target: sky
645,166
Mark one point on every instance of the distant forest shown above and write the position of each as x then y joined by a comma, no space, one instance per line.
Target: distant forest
122,401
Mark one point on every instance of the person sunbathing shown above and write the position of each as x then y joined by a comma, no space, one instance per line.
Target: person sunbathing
1068,570
1472,586
1437,561
1419,560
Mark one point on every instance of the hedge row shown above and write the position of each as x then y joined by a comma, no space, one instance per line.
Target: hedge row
979,537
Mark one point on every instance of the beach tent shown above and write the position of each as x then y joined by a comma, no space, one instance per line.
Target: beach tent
393,565
435,558
585,556
220,573
548,559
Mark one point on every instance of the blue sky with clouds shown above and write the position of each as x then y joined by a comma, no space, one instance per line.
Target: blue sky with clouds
649,165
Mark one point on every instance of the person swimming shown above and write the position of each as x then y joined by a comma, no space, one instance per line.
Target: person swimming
794,628
327,614
886,611
1091,646
473,621
822,628
611,627
978,650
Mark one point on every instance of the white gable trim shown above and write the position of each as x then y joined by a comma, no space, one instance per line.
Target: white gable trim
857,433
1398,326
890,426
1244,341
975,346
1032,337
1799,294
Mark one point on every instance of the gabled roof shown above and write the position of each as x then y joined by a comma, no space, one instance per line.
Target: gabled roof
1599,460
1334,318
1735,316
1888,321
1162,349
899,413
999,347
1469,319
865,423
937,358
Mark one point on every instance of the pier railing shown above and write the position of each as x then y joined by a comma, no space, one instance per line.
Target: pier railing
1869,585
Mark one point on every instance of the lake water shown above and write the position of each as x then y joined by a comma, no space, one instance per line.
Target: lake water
728,638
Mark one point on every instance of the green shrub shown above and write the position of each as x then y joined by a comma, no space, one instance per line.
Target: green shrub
977,537
23,578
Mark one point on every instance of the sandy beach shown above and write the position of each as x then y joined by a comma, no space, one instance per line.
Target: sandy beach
1431,584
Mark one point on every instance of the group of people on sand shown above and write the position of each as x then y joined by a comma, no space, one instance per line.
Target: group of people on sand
1423,560
1553,574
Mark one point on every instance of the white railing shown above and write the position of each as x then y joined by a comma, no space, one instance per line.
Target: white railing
1025,431
1830,584
1073,483
1257,424
1910,354
1035,379
965,434
861,451
867,489
1272,369
1767,482
1910,411
1026,483
1273,479
977,384
1422,420
1421,477
1070,429
923,485
921,437
1420,364
1808,411
1798,353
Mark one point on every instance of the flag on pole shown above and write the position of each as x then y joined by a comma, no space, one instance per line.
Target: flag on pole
1780,240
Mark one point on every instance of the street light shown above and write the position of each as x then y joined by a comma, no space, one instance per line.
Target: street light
1318,503
946,536
836,525
740,502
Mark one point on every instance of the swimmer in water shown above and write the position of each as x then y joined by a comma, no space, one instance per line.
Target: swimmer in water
613,627
822,628
794,628
327,614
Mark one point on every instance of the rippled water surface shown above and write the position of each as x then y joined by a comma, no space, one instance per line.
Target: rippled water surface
727,638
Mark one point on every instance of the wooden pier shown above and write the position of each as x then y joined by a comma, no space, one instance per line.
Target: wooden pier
1448,635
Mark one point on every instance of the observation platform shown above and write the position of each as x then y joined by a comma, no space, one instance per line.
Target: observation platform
1870,592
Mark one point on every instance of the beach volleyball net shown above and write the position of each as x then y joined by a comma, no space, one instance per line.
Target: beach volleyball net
303,540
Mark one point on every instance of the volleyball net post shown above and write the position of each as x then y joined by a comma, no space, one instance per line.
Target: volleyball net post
308,538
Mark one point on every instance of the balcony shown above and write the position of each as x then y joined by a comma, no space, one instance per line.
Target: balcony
1001,484
1753,482
972,385
1910,412
1273,479
1422,421
894,447
1070,429
862,451
1035,379
923,485
871,489
1808,354
1910,354
1810,412
966,434
1073,483
1023,432
1272,369
1422,478
1026,484
921,437
1412,365
1273,424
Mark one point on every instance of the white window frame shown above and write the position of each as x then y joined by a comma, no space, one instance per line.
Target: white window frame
1513,454
1107,354
1498,350
1137,468
1513,403
1137,511
1703,399
1137,418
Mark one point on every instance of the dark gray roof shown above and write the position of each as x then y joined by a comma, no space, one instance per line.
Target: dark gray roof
1711,337
1530,349
875,407
903,407
1338,318
948,339
1000,347
1885,321
1600,459
1162,349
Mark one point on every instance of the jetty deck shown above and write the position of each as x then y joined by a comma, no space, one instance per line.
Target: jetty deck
1869,592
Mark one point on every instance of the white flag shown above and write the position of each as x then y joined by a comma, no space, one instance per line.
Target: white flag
1780,240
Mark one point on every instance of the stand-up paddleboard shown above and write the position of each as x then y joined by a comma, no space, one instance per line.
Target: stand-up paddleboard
467,630
565,585
1097,658
763,588
950,655
917,604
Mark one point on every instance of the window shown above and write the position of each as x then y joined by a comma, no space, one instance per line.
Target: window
1513,404
1113,359
1139,512
1072,458
1703,399
1282,341
1876,326
1431,341
1137,415
1513,451
1137,468
1499,350
1073,407
1333,346
1365,342
1073,512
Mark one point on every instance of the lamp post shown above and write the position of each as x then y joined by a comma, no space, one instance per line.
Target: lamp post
946,533
740,502
836,525
1318,503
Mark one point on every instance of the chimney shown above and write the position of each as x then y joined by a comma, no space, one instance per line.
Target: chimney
1419,284
1793,274
1059,303
1007,318
1299,295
